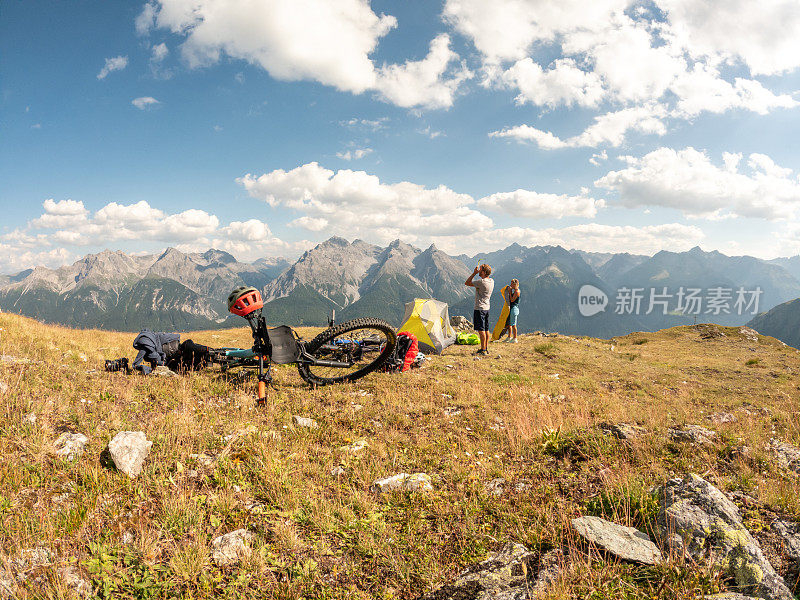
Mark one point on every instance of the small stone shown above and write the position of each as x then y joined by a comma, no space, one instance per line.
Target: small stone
230,548
694,434
416,482
720,418
495,487
73,580
338,471
3,388
163,371
70,446
127,538
452,411
522,486
730,596
31,418
304,422
627,543
33,558
356,446
788,455
376,424
204,459
356,407
128,450
554,376
623,431
257,508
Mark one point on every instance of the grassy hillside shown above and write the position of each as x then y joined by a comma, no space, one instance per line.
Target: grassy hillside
529,413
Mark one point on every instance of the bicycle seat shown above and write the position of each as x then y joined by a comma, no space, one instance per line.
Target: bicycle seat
284,345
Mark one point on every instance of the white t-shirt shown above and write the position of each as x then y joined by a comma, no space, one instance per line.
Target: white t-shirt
483,291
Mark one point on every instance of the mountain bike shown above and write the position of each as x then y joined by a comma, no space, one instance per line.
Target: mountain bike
343,352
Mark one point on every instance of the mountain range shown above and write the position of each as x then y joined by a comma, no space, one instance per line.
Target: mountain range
184,291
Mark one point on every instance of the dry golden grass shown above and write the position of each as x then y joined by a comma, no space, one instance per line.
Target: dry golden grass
319,535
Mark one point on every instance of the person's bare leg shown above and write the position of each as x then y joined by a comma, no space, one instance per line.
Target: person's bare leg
484,335
513,332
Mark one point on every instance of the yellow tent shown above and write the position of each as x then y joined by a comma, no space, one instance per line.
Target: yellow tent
429,320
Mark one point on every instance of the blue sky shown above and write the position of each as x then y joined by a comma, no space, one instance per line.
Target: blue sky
263,127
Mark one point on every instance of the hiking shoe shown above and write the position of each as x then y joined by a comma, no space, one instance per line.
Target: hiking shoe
514,341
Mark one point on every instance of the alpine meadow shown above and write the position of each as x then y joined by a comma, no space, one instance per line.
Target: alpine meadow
421,300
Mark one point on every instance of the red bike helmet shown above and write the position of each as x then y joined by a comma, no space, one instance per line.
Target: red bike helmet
244,300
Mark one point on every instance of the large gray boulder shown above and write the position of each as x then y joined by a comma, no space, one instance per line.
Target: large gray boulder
697,519
128,449
627,543
510,574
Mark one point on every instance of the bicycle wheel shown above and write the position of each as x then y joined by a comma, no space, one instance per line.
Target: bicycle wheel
363,343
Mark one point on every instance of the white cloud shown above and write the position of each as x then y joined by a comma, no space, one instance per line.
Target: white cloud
598,157
355,154
763,35
144,102
370,124
116,63
505,30
625,55
563,84
702,89
355,203
14,259
159,52
431,133
688,181
146,20
329,42
425,82
318,40
533,205
609,129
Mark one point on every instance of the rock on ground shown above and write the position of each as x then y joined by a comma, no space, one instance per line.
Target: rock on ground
495,487
697,519
3,388
304,422
722,417
788,455
73,580
729,596
510,574
623,431
128,449
627,543
789,533
694,434
69,446
163,371
460,323
230,548
416,482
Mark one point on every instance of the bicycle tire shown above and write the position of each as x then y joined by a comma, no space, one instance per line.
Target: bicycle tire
330,334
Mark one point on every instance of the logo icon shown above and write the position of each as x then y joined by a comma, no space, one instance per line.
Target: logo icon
591,300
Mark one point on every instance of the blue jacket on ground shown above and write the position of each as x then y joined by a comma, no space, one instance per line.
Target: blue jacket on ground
151,348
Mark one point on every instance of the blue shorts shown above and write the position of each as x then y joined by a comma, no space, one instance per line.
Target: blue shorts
512,316
480,319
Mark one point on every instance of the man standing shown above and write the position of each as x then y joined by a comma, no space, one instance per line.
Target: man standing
483,292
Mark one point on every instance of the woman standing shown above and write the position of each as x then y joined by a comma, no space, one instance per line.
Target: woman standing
513,305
